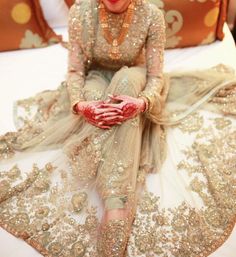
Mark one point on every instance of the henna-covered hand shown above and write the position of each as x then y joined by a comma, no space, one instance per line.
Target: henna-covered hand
130,107
94,113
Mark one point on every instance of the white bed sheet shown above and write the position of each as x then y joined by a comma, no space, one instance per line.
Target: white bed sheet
26,72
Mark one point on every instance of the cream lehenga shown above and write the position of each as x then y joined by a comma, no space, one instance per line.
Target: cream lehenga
172,171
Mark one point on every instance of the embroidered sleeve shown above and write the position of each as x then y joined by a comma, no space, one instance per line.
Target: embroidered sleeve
155,45
76,67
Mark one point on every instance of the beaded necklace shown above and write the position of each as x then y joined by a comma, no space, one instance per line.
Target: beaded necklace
114,52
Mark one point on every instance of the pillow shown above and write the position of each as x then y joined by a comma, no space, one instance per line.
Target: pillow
69,2
55,12
193,22
22,25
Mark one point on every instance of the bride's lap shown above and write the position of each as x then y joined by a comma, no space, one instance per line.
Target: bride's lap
116,175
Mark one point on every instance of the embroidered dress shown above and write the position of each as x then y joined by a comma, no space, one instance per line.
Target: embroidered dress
173,171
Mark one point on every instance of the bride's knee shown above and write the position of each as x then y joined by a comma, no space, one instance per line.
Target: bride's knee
128,81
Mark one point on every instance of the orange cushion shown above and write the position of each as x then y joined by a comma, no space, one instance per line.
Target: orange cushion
194,22
69,2
22,25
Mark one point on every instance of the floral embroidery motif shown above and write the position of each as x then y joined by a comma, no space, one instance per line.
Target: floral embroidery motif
192,123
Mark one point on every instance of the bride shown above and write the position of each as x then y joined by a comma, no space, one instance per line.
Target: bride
99,134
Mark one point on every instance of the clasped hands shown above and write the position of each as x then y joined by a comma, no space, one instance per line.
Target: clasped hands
115,110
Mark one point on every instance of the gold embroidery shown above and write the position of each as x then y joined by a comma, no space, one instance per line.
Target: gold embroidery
89,148
222,123
6,149
78,249
78,201
210,164
192,123
180,231
113,238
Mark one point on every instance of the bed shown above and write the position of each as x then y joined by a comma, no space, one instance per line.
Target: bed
24,73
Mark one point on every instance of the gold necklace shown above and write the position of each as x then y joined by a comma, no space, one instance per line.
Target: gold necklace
114,52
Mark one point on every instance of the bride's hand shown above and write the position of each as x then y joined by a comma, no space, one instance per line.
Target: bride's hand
94,113
130,107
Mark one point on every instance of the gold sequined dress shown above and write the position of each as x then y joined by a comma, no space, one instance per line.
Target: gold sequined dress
177,167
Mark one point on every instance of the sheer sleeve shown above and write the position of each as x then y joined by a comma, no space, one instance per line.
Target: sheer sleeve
155,44
76,67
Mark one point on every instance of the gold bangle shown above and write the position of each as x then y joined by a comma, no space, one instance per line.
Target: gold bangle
147,103
74,109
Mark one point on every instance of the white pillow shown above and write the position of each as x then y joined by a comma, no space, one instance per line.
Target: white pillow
55,12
